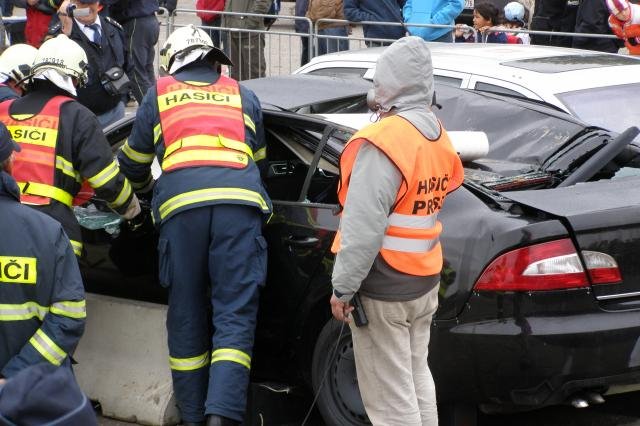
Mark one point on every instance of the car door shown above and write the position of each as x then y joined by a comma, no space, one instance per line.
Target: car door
302,185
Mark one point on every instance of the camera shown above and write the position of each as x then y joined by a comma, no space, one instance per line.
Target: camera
115,81
72,10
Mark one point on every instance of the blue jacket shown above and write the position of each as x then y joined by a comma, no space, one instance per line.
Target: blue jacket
376,10
42,306
441,12
238,186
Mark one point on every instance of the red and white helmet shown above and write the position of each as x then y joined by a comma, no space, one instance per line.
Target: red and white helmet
617,6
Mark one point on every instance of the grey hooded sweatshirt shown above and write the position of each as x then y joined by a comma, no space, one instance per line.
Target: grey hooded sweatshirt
403,84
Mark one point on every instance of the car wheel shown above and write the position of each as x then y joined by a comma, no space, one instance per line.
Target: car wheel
333,374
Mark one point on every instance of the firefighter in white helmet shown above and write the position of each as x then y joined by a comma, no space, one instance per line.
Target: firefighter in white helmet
62,142
209,204
15,66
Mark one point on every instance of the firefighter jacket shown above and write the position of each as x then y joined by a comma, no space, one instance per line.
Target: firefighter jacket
430,169
42,306
62,144
206,133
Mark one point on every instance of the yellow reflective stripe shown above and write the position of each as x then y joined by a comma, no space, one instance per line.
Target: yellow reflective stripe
232,355
43,190
208,141
47,348
104,176
204,155
157,132
41,136
191,96
188,364
22,311
249,123
77,247
66,167
123,196
70,309
260,154
140,185
137,156
211,194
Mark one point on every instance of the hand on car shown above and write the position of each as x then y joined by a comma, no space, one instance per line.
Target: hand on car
340,309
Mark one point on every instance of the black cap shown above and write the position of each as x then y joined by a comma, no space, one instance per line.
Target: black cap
7,144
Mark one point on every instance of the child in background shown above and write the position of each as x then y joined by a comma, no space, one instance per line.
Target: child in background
514,17
625,23
485,16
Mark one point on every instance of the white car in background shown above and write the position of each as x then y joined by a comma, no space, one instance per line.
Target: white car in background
602,89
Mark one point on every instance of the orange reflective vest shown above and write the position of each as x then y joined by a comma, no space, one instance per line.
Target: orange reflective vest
430,169
630,34
202,125
35,165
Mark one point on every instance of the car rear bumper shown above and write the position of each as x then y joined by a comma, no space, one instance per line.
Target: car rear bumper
539,359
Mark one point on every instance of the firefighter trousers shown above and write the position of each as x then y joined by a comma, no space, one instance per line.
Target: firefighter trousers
213,260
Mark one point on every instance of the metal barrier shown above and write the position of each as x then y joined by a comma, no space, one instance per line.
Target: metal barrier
281,50
255,53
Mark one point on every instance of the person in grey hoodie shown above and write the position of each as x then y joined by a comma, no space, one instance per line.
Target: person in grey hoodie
384,180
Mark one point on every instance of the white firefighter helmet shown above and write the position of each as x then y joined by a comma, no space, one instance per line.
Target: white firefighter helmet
16,61
64,56
183,41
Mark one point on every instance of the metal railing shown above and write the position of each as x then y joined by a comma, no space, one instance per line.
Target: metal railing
281,50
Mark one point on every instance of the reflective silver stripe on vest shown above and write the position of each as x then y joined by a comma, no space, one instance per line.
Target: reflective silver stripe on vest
413,221
409,245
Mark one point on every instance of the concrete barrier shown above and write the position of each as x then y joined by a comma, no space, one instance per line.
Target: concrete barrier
123,360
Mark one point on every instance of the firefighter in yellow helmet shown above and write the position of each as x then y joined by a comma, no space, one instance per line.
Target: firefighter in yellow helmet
206,132
62,141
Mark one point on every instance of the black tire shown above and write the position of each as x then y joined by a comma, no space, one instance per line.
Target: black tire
333,374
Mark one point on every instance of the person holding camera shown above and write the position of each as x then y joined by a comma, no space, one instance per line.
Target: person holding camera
103,40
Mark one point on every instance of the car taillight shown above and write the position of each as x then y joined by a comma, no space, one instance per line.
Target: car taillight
547,266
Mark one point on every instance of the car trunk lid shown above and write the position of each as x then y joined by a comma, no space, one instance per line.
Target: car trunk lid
603,216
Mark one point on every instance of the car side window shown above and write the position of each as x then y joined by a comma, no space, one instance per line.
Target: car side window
447,81
291,153
348,72
488,87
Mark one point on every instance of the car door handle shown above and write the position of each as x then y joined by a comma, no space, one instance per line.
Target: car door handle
301,241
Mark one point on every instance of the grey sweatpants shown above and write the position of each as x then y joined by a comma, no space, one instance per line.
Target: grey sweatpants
391,361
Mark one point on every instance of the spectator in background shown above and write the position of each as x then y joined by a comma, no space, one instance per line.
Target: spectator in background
377,10
625,23
39,14
7,7
329,9
141,28
209,19
302,28
514,17
593,17
246,48
554,15
103,41
438,12
485,16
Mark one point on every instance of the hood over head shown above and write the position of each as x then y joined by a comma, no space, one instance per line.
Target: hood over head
403,81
